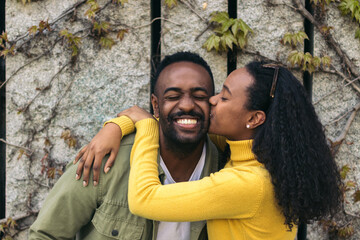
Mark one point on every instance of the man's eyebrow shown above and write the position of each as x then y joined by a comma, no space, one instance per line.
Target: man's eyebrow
227,89
175,89
199,89
172,89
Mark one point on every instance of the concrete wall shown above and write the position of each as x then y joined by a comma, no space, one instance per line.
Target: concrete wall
102,82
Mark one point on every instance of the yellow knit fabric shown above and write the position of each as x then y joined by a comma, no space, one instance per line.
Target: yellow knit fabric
238,201
126,124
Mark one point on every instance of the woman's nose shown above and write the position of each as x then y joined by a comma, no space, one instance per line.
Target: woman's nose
213,100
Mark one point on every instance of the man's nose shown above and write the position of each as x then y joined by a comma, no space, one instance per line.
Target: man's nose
186,104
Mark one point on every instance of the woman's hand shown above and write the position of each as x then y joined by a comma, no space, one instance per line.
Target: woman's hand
135,113
107,140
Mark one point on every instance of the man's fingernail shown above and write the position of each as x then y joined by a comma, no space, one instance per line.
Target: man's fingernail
95,183
84,183
77,177
107,169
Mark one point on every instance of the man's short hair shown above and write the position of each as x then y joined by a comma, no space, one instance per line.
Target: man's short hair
183,57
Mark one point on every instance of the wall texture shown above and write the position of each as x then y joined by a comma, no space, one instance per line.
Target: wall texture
56,103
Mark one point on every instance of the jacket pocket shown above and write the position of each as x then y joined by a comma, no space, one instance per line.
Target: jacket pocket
116,228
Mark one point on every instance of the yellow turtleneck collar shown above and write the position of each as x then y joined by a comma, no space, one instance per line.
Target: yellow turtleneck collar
241,150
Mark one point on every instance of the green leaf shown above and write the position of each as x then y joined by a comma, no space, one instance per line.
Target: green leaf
344,171
326,61
2,227
316,61
32,30
357,33
244,27
64,33
296,57
287,38
307,58
90,13
11,222
356,196
353,5
120,1
227,40
44,25
4,52
106,42
75,50
76,40
121,34
219,17
235,28
309,67
51,173
101,27
241,40
345,232
171,3
226,25
302,36
357,15
343,8
4,36
350,184
213,42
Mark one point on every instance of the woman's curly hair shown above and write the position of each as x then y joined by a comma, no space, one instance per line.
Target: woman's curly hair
292,145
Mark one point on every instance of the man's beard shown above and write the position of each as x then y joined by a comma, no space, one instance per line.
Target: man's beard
173,137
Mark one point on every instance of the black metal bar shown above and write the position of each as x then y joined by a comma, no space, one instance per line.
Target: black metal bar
155,41
308,47
232,55
308,82
2,119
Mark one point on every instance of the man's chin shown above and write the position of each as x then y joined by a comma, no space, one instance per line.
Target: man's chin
188,138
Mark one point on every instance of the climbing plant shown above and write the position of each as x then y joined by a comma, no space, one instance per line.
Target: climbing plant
225,33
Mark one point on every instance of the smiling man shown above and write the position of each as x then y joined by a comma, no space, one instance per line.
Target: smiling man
184,83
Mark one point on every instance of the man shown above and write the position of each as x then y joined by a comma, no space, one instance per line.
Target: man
183,86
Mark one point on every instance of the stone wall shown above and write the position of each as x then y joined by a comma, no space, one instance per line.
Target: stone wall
56,104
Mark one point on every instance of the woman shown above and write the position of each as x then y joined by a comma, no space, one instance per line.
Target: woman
279,171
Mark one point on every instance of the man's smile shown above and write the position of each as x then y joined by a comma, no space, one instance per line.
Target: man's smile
186,121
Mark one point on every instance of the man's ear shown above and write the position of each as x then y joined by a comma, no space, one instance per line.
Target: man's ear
155,105
257,119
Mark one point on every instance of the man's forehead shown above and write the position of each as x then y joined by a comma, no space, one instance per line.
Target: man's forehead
184,74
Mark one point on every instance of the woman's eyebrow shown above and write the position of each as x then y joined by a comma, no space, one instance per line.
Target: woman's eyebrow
227,89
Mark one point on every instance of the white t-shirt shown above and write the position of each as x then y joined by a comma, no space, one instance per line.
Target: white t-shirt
178,230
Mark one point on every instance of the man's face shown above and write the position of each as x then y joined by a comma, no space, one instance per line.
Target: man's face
181,101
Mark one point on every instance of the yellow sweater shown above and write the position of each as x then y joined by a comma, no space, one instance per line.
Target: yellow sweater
238,202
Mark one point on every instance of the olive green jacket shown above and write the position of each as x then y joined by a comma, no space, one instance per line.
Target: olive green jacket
102,212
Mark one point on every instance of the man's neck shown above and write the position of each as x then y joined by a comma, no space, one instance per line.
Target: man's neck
180,159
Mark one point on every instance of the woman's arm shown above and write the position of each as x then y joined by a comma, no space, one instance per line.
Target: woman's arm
230,193
107,140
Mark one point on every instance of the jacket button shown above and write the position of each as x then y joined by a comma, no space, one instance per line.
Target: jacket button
114,232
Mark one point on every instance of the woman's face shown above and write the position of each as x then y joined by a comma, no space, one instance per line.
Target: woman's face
229,115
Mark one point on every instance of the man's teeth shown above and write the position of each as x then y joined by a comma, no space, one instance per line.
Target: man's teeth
186,121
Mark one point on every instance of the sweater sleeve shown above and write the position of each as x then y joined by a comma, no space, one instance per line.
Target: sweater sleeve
231,193
125,124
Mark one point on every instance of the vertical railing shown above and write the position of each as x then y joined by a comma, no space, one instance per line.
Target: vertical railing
232,55
307,80
2,118
155,41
